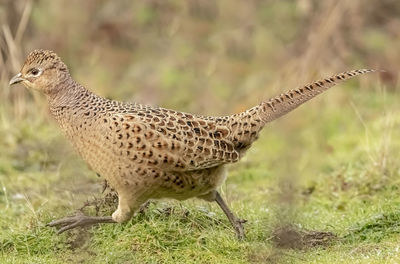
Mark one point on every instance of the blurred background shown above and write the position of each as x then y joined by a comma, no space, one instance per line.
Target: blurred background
336,153
210,58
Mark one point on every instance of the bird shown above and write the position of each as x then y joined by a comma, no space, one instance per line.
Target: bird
147,152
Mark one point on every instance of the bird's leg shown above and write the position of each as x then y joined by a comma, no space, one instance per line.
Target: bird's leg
79,220
125,210
236,222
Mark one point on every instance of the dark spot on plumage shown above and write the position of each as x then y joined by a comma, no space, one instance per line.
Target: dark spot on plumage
162,130
240,146
152,162
223,144
217,134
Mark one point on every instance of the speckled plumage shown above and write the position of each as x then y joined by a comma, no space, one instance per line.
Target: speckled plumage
148,152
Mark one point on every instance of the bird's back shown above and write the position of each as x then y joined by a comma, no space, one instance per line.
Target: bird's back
169,140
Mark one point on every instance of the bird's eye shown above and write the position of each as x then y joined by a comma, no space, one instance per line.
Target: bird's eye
35,72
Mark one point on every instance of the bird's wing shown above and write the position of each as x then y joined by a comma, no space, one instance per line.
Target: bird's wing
172,140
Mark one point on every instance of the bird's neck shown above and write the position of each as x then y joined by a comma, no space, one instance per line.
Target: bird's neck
65,92
68,99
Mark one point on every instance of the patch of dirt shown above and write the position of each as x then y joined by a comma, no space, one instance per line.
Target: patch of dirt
290,237
78,240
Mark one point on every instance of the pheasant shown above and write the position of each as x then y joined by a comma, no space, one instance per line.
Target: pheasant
149,152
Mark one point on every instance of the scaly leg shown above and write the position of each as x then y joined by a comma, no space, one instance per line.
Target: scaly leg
236,222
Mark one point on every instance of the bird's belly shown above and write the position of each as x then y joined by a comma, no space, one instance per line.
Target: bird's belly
188,184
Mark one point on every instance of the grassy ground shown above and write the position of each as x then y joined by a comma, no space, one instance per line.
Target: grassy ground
316,170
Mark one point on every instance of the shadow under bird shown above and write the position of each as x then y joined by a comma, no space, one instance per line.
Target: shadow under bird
149,152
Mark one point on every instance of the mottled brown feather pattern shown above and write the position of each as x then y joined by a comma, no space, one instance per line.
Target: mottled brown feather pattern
149,152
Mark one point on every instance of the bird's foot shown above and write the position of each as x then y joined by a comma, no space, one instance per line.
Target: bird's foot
79,220
239,229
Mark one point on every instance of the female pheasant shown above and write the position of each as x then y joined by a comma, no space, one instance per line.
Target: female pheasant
149,152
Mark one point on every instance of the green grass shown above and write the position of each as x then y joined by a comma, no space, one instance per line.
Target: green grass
326,170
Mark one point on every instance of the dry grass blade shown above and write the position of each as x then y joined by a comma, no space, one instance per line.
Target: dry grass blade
12,47
24,21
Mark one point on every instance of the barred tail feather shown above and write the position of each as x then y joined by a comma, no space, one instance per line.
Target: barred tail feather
246,126
286,102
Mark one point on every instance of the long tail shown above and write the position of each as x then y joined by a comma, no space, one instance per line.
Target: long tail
246,126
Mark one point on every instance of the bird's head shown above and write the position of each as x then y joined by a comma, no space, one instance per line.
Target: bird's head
43,70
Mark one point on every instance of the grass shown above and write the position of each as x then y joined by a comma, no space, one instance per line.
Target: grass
336,175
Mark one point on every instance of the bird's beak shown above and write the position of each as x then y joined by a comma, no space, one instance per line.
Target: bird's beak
16,79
